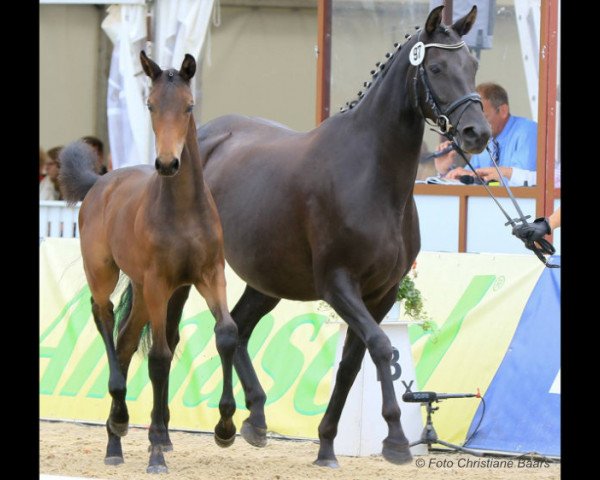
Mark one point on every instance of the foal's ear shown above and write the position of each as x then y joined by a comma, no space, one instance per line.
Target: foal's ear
463,25
150,68
188,67
434,19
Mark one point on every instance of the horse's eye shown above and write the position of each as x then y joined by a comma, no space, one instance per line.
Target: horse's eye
189,109
150,107
435,69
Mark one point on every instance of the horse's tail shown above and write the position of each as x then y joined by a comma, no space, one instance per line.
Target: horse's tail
77,174
122,313
124,308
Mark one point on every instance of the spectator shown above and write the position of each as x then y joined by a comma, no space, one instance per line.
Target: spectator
513,138
98,147
43,159
49,189
426,166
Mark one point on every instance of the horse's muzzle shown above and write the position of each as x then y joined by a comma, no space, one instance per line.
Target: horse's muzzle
474,138
167,169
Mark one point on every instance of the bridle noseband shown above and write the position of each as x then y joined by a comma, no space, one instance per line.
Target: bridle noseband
442,120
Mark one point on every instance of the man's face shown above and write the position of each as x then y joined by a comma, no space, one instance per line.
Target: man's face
496,116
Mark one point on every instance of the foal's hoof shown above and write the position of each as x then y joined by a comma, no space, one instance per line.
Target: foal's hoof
224,434
224,442
396,453
157,469
327,462
256,436
119,429
113,460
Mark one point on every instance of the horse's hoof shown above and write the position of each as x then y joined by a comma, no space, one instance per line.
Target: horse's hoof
395,453
326,462
113,460
119,429
224,442
255,436
157,469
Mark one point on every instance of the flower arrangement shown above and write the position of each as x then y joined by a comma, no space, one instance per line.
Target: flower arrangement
411,296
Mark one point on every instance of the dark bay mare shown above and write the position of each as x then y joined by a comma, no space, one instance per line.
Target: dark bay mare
329,214
159,225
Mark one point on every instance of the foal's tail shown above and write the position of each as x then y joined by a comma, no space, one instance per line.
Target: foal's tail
77,173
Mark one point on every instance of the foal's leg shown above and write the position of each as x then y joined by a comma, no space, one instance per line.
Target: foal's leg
212,288
156,297
127,343
102,276
343,294
174,311
248,311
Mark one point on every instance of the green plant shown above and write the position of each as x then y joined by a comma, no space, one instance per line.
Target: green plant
412,298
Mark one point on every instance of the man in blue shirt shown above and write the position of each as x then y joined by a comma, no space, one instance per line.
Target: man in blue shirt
514,137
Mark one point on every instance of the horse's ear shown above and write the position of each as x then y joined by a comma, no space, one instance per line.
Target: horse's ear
150,68
434,19
188,67
463,25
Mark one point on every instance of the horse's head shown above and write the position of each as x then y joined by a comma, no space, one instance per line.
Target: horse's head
170,103
445,80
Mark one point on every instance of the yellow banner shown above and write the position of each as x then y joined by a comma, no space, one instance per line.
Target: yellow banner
293,349
474,301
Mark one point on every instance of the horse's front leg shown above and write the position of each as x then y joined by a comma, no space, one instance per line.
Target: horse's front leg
344,295
156,296
212,288
174,311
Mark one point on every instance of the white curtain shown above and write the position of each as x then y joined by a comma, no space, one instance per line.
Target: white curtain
128,120
181,27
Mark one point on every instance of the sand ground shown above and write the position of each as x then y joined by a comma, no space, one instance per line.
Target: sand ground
77,450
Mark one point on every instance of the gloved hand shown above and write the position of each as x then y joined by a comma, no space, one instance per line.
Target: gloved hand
531,232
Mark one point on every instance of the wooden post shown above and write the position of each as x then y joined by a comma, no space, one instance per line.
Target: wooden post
323,59
447,12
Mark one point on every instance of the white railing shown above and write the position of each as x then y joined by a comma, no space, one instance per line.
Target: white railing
58,220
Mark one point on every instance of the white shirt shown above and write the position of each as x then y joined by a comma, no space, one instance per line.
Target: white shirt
47,190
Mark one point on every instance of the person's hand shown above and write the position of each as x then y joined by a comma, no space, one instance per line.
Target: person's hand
489,173
458,172
530,232
445,162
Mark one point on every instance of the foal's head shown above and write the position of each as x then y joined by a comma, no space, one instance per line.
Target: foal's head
170,103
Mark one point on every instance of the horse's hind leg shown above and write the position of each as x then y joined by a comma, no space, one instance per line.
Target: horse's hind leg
212,288
127,343
102,278
344,296
248,311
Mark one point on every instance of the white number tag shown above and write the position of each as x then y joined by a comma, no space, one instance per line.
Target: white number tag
417,53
